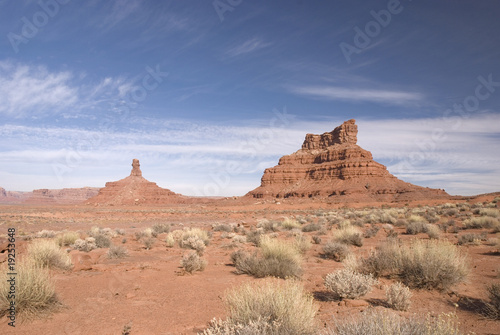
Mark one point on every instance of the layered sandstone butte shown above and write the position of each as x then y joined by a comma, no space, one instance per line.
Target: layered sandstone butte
333,165
134,190
62,196
12,197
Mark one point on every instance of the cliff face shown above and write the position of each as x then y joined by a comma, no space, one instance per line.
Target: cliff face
134,190
62,196
333,165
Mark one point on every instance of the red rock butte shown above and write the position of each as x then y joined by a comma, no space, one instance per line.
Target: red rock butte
134,190
332,165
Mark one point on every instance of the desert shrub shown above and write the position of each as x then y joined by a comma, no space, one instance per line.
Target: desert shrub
336,251
120,231
371,232
193,242
494,304
302,244
471,239
451,212
45,234
284,306
382,322
226,327
160,228
423,264
85,245
416,227
348,235
344,224
107,232
35,292
239,239
117,251
347,284
67,238
192,262
433,231
481,222
46,253
222,227
398,296
277,259
268,225
311,227
290,224
196,233
170,241
101,241
489,212
316,239
148,242
253,236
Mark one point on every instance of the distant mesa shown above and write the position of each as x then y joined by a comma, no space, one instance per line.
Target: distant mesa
134,190
332,165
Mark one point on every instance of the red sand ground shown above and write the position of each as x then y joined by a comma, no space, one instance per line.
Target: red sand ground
149,292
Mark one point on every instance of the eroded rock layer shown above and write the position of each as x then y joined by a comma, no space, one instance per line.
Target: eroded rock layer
333,165
134,190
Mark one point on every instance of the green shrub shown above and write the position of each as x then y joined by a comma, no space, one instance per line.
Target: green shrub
349,284
285,306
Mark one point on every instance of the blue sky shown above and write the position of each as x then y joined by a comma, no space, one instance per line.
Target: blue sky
207,94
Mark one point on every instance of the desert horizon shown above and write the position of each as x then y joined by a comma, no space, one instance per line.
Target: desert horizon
234,167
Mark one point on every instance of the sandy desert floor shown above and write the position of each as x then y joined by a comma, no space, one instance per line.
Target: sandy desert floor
149,291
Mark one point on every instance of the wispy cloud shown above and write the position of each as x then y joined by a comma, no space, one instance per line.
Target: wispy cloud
251,45
354,94
120,11
28,89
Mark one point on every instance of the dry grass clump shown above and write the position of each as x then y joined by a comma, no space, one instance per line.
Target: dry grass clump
474,239
433,264
46,253
398,296
269,225
302,243
102,241
494,213
239,239
433,231
108,232
348,235
277,259
193,242
45,234
416,227
192,262
311,227
284,306
253,236
347,284
35,292
493,305
85,245
117,251
222,227
381,322
67,238
170,241
160,228
481,222
148,242
336,251
196,233
289,224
